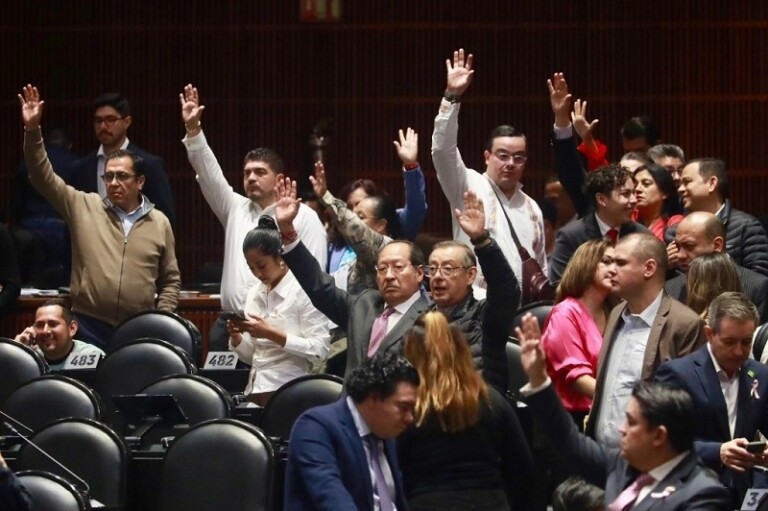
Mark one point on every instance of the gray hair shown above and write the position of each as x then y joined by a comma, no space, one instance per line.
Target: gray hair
735,306
666,150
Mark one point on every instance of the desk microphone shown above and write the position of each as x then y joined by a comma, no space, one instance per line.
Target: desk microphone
51,458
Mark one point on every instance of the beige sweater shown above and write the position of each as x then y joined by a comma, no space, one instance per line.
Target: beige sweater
113,276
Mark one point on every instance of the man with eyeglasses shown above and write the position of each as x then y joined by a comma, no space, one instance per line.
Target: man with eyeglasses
498,187
111,120
452,269
375,319
123,249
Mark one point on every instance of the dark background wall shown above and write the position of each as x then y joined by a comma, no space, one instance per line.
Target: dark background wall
698,67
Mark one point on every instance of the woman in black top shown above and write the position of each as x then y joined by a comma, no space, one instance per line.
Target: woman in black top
467,449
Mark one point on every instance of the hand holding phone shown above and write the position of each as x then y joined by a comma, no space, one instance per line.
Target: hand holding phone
232,316
756,447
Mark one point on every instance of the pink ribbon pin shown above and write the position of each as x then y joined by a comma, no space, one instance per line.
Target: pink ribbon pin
753,392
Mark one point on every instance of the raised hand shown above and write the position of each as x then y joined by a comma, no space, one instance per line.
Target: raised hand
319,183
31,106
460,72
408,147
583,127
191,109
531,354
287,205
472,219
560,99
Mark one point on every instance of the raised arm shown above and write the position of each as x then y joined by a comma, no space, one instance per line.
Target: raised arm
593,150
412,215
217,192
568,164
450,168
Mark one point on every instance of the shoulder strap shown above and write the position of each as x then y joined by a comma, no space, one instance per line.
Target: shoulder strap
523,252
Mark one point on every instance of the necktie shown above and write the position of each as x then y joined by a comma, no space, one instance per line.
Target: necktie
627,498
380,487
379,330
612,235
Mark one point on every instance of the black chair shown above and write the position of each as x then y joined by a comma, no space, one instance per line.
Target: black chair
219,464
208,278
18,364
759,341
134,366
89,449
50,492
46,399
296,397
199,398
517,376
540,310
156,324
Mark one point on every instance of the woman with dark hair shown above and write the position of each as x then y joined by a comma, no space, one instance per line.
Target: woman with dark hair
467,449
573,333
658,205
283,334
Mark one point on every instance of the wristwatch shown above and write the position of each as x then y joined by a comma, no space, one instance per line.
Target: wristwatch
450,97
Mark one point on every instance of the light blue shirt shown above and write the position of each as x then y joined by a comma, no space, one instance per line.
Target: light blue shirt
623,368
129,219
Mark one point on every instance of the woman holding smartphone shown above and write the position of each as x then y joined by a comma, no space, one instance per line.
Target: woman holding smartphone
283,334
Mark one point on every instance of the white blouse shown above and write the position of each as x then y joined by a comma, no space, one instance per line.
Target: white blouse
288,308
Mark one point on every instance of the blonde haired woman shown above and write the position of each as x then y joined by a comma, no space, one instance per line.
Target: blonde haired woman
709,276
467,449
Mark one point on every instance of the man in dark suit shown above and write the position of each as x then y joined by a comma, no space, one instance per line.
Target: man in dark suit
729,391
376,319
656,466
342,456
702,233
112,117
647,329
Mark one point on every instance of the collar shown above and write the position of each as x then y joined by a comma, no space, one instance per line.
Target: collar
403,307
720,210
498,191
460,309
719,370
648,315
604,228
662,471
140,209
283,288
100,152
360,425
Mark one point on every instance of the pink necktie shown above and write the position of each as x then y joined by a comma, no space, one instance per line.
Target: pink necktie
612,235
627,498
380,482
379,330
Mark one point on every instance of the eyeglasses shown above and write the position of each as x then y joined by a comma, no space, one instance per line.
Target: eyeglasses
446,271
107,121
396,268
122,177
517,159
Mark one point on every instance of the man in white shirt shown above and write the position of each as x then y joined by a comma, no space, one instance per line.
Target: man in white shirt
656,466
238,214
498,187
649,328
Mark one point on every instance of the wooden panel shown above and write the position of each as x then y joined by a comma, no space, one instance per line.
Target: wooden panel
698,67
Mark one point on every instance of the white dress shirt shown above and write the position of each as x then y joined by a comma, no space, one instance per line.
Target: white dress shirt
730,388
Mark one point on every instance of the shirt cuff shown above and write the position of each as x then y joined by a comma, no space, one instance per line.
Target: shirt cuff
195,142
290,246
563,133
529,390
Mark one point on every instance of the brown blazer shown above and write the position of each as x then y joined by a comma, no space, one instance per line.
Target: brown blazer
676,331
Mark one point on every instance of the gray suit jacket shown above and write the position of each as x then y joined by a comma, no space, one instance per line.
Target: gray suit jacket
689,486
753,285
676,331
355,312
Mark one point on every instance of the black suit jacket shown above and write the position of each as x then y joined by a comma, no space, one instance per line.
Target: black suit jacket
753,285
156,187
693,486
354,312
574,234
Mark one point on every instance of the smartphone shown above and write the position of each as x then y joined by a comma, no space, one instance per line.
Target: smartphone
232,315
756,447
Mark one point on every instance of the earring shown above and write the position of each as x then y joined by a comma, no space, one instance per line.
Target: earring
282,265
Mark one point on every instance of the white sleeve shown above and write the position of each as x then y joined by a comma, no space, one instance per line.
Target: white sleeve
218,193
450,168
312,233
314,343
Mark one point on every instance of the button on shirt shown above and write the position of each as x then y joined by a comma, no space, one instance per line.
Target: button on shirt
624,367
101,163
730,388
363,430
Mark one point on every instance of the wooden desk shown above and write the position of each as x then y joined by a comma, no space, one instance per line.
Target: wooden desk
202,310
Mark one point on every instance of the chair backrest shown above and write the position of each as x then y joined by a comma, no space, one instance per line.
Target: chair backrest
50,492
18,364
517,376
89,449
46,399
540,310
219,464
296,397
199,398
157,324
759,341
132,367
